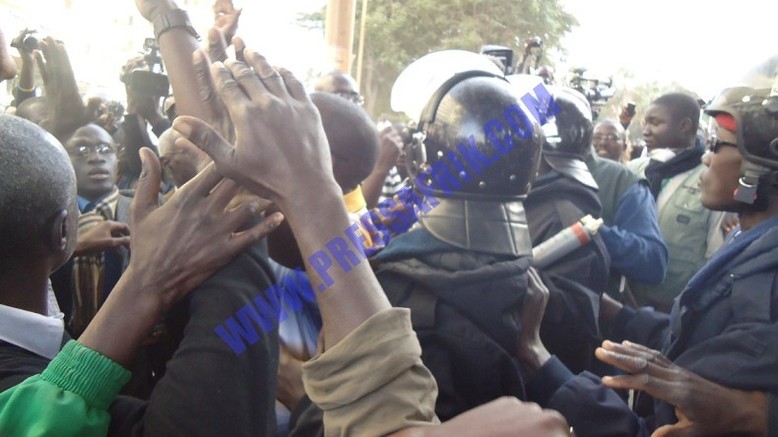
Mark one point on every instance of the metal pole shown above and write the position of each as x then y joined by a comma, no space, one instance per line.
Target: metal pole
339,32
361,55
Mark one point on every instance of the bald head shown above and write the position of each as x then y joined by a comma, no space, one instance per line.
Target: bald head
180,161
37,184
33,109
340,84
352,136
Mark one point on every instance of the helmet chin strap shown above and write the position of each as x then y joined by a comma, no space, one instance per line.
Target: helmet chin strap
749,182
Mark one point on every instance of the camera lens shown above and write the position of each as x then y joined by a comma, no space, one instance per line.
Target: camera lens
30,43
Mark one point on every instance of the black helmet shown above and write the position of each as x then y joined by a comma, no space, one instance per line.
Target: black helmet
474,137
754,105
568,135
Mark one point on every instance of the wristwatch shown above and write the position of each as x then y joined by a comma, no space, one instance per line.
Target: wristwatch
171,19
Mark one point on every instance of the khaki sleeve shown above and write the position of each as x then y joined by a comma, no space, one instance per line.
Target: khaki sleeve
373,382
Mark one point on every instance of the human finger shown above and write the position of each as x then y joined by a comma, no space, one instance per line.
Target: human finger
202,67
675,430
628,363
634,349
228,89
223,193
243,239
655,354
145,199
240,48
217,46
294,87
195,132
237,216
247,79
202,184
656,387
269,76
120,241
117,228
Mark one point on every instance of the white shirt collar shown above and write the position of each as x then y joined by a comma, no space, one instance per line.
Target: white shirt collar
34,332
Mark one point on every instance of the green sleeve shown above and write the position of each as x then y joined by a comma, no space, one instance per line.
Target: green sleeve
70,398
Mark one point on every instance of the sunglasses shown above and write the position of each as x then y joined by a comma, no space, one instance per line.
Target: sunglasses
82,150
715,144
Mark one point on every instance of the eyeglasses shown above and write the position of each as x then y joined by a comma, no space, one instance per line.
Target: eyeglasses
609,137
351,96
82,150
714,144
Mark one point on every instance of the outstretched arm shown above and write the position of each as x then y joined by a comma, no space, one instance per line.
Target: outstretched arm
703,407
83,380
280,153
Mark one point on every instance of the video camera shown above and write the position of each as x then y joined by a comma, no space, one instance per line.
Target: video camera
26,41
149,78
502,53
597,91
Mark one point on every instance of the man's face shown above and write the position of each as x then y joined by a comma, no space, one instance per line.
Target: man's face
661,130
608,142
93,155
719,180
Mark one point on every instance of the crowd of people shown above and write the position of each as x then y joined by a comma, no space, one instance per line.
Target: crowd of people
251,256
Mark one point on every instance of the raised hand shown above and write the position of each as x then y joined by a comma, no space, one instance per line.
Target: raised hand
531,352
223,30
703,407
226,18
281,154
197,230
67,110
280,146
175,247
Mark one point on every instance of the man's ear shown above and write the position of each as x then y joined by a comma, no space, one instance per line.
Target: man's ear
58,232
686,126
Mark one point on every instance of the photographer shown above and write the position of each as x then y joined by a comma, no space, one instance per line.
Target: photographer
27,46
143,110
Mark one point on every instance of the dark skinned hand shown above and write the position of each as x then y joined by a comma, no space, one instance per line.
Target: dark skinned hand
108,234
531,352
703,408
67,111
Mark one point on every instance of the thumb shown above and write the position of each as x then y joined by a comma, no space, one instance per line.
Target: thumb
674,430
146,192
198,133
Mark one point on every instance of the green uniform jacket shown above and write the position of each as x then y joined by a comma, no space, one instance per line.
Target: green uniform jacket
70,398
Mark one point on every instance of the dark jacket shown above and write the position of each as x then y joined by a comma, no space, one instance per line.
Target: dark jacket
465,311
466,305
208,389
724,327
576,281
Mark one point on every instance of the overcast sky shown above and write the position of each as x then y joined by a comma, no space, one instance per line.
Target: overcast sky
698,43
701,44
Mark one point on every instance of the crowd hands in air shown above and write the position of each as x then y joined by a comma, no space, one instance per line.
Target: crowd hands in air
273,262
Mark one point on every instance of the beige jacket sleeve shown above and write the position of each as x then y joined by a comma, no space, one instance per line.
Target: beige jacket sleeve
373,382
